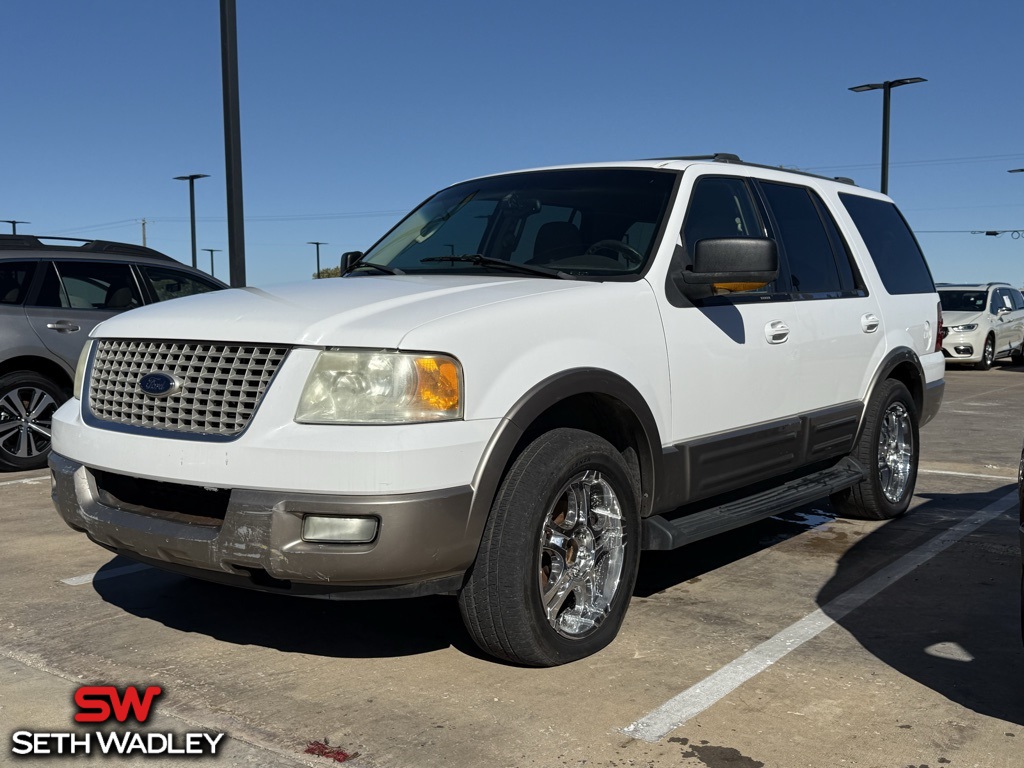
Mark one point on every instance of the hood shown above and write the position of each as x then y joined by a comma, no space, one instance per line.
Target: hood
960,318
366,311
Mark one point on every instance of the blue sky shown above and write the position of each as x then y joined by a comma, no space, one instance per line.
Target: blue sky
352,113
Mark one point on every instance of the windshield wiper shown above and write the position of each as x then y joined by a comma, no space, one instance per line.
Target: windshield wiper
379,267
489,261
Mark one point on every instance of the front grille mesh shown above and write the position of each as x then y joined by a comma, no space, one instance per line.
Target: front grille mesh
222,384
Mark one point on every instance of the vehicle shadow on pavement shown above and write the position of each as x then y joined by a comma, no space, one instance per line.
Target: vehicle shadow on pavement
661,570
329,628
953,623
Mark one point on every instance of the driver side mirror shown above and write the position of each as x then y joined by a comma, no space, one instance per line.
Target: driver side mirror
348,260
732,264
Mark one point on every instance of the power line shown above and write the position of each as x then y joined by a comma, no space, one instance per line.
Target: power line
282,217
938,161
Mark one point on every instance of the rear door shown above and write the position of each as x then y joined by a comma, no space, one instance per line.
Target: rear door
16,335
76,295
1006,320
842,337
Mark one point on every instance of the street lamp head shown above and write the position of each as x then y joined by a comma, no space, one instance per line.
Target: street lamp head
887,83
1016,170
192,177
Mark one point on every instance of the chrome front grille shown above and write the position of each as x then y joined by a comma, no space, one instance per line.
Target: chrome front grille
221,384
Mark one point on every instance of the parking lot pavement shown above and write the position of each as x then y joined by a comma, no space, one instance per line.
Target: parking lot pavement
804,640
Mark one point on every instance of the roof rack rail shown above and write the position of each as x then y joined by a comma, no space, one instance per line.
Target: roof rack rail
35,242
718,157
728,157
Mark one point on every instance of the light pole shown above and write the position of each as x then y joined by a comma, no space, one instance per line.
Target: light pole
14,224
212,251
317,243
886,87
191,179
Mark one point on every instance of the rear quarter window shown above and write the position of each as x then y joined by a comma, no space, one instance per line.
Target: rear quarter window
893,248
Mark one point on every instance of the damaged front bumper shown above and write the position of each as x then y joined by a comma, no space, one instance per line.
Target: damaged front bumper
255,538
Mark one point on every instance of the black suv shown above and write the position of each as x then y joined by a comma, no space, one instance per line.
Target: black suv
53,291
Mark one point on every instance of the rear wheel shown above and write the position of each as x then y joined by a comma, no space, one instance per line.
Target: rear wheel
888,448
558,558
1017,356
27,403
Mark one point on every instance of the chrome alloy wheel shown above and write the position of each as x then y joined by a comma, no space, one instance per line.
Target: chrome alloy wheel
895,451
26,415
582,552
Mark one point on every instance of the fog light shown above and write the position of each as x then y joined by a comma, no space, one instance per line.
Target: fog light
964,349
346,530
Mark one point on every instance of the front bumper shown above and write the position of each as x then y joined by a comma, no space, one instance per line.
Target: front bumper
963,347
423,545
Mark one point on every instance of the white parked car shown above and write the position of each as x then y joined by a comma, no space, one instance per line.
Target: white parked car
983,323
530,379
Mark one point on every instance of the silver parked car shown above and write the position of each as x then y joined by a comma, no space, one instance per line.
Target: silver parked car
53,291
982,322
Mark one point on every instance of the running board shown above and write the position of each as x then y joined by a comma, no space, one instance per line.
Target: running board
660,533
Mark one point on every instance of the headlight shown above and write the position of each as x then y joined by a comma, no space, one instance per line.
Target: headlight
964,328
83,362
362,387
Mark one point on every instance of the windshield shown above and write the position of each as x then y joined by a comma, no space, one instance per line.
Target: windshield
963,301
586,222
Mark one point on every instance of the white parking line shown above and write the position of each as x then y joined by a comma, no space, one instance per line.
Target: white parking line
113,573
699,697
964,474
29,480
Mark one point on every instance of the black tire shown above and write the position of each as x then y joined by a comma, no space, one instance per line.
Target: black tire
1017,356
885,492
988,355
27,403
501,602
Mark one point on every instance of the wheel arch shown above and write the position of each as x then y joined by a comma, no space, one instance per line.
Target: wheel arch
41,365
904,365
591,399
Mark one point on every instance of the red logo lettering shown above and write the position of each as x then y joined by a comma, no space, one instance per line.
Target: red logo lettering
96,703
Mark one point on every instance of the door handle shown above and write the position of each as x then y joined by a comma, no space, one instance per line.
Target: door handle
869,323
63,326
776,332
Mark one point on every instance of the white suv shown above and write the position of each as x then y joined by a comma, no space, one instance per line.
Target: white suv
530,379
983,322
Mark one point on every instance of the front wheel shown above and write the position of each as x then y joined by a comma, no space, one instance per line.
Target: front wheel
988,355
888,448
559,555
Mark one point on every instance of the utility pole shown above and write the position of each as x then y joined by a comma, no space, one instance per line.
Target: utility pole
14,224
143,233
212,251
191,179
317,243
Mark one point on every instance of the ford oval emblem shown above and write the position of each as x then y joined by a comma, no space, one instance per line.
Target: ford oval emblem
158,384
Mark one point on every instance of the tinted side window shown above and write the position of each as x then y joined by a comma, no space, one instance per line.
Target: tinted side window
15,277
1001,300
720,207
89,285
1018,300
893,249
172,283
812,265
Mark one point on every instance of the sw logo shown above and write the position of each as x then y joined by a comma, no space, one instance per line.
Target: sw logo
97,703
106,704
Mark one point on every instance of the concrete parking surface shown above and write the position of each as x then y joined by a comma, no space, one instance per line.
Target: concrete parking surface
804,640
